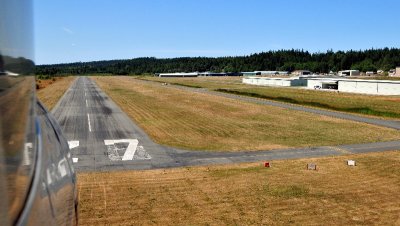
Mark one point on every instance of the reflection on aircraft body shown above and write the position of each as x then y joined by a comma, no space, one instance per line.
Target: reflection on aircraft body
37,179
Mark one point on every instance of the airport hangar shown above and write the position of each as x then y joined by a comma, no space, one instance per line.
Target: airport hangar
179,75
362,86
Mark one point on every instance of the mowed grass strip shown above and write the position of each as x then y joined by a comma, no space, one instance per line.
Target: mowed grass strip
51,93
381,106
197,121
200,82
248,194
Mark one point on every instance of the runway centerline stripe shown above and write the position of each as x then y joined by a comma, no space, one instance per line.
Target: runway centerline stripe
87,103
90,127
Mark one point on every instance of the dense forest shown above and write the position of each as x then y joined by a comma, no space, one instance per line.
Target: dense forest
283,60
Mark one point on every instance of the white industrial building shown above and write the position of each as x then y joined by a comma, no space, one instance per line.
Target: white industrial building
362,86
349,73
319,83
379,87
266,81
192,74
251,73
272,72
209,73
301,72
265,73
396,72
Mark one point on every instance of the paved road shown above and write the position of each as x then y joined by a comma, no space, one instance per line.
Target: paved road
102,137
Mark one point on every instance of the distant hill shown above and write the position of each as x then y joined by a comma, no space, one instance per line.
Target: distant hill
285,60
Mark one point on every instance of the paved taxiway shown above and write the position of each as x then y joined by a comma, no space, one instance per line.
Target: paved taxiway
102,137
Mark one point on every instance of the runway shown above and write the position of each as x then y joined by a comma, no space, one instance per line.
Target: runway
102,138
100,134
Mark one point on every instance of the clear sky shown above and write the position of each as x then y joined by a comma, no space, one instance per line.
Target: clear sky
87,30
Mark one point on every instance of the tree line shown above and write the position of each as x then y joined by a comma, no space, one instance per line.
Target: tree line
281,60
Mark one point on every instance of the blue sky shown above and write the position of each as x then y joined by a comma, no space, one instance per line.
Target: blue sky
87,30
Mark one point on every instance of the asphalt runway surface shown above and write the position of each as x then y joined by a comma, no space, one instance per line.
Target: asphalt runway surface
102,138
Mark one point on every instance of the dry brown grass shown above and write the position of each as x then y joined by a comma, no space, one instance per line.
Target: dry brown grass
248,194
205,122
367,105
50,91
43,83
204,82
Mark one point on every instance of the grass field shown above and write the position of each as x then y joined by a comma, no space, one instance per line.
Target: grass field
50,92
381,106
206,122
248,194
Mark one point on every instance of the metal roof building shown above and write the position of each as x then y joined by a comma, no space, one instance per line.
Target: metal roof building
272,72
301,72
397,71
362,86
349,73
209,73
267,81
192,74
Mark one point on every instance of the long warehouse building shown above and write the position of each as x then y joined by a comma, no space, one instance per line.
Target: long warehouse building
267,81
362,86
192,74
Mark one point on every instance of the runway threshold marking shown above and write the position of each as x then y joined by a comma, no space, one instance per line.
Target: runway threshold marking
90,127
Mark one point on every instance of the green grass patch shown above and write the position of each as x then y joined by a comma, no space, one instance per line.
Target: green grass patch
186,85
171,83
223,173
286,191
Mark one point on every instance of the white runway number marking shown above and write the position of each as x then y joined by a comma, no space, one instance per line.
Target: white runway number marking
117,150
73,144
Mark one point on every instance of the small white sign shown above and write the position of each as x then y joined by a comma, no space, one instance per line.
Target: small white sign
74,160
351,163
